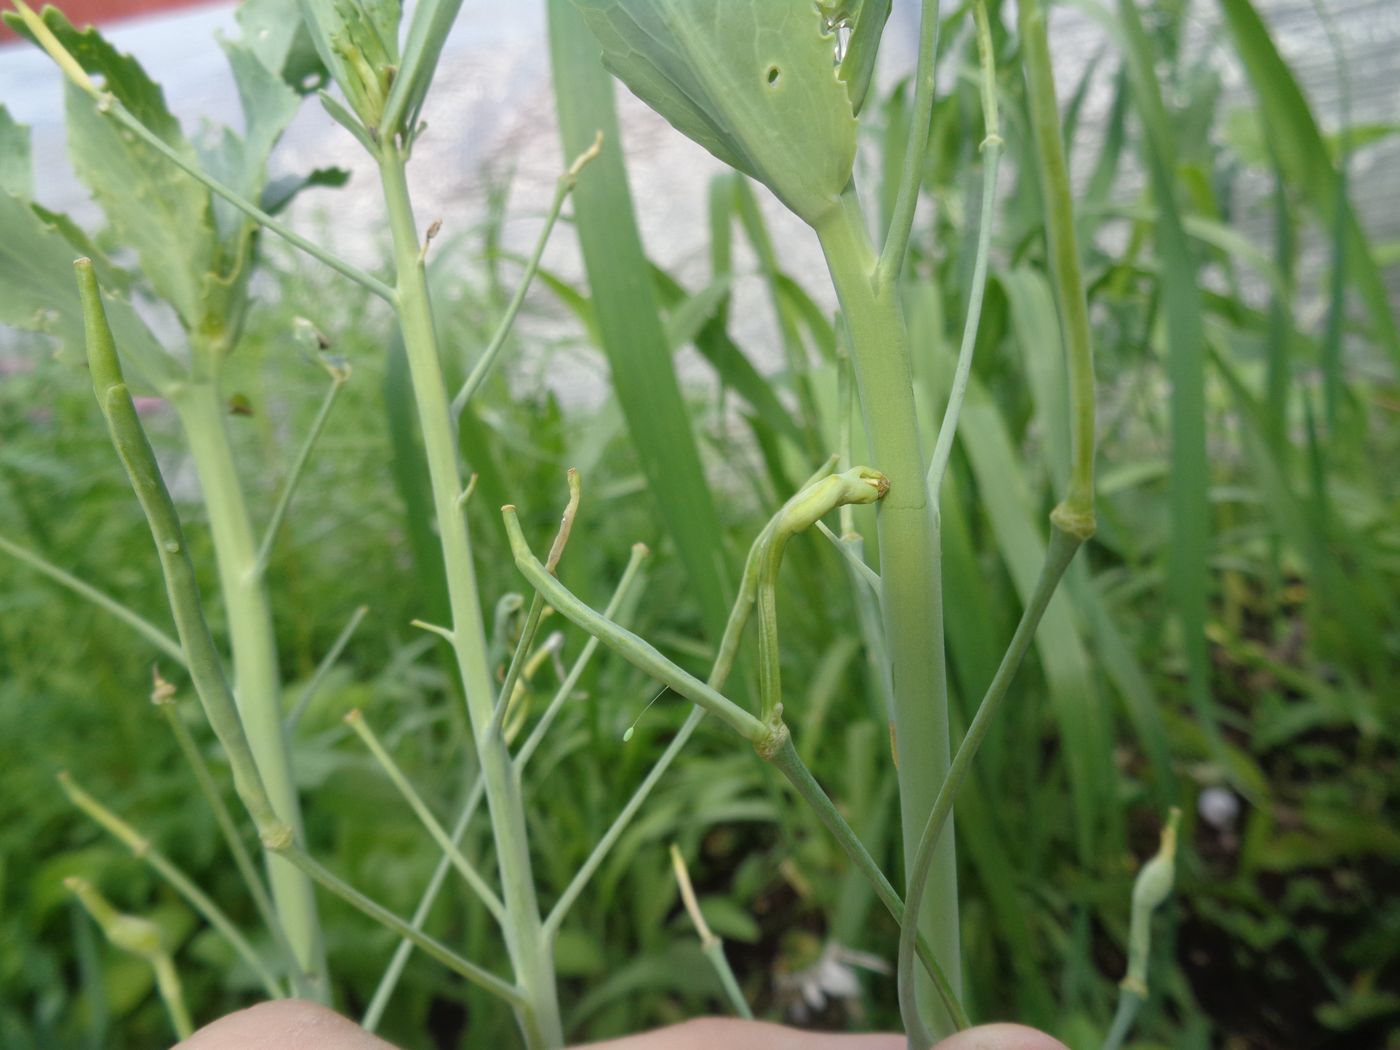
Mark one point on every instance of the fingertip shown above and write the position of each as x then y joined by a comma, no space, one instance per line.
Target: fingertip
1001,1037
284,1024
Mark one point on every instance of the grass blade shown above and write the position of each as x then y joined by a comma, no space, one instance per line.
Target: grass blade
643,375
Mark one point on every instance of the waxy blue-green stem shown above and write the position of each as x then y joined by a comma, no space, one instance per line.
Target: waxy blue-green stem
710,944
394,970
1060,553
257,674
163,698
910,571
770,740
537,1009
142,626
249,728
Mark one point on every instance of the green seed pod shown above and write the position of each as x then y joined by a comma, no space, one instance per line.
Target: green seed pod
130,933
756,83
1153,886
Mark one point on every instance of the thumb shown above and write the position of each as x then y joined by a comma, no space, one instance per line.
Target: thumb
1001,1037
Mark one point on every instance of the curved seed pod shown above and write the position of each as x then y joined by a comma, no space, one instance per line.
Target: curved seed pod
859,485
131,933
753,81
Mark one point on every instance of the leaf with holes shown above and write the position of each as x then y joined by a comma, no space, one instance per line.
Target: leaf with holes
753,81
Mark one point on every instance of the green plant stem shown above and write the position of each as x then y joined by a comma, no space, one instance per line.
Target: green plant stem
1124,1017
714,951
314,869
257,676
634,649
991,153
172,995
771,743
519,658
484,364
284,499
911,176
600,850
537,1009
862,573
357,722
1059,554
324,668
1076,511
394,970
153,634
790,764
374,1013
201,656
710,944
910,572
141,848
247,612
242,859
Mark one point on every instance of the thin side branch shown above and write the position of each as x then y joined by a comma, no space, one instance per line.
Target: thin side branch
912,175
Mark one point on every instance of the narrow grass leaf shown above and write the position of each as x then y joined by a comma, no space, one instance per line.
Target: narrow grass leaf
643,374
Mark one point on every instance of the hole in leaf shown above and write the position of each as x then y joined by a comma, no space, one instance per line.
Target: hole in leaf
774,75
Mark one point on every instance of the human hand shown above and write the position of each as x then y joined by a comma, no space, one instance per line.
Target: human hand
291,1025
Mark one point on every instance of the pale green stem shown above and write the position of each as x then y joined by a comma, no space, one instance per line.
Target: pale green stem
201,656
790,764
862,572
805,504
1063,546
284,500
241,857
257,755
141,848
714,951
912,174
172,995
324,668
464,867
257,675
1076,511
519,658
153,634
389,981
910,569
619,825
710,944
374,1013
991,151
484,364
635,650
771,743
384,917
538,1005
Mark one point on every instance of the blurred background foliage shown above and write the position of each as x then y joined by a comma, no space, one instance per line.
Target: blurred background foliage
1230,644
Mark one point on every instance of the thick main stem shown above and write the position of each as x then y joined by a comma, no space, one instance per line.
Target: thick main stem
525,940
257,678
911,595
